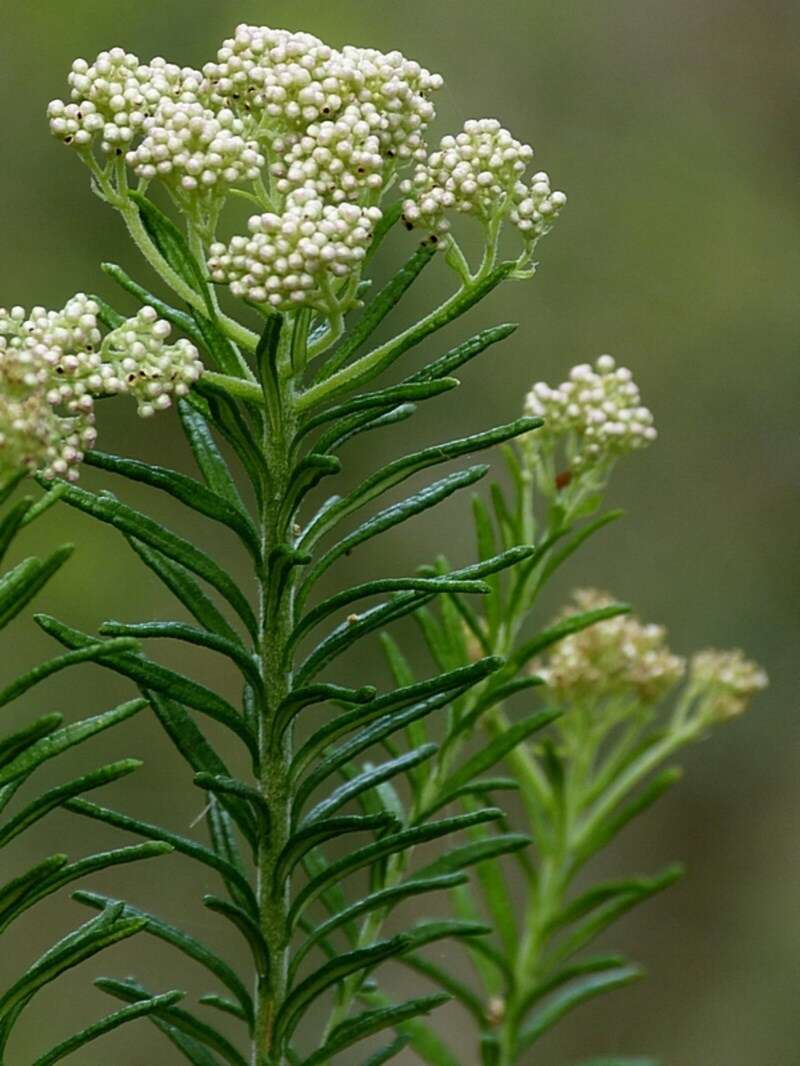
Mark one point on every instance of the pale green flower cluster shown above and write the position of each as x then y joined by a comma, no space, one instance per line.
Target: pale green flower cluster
726,681
618,658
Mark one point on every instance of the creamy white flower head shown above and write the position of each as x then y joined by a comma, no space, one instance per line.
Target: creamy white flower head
54,364
481,172
276,75
598,410
399,89
149,368
114,96
616,658
291,259
339,159
47,361
726,682
195,149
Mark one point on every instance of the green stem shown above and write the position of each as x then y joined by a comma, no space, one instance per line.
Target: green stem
277,622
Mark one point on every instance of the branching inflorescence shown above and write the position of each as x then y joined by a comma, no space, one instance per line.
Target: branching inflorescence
266,341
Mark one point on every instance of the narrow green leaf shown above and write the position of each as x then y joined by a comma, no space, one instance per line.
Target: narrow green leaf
498,748
66,874
343,599
180,843
463,353
156,678
135,524
234,650
367,779
56,797
388,845
393,516
185,490
370,1022
376,361
69,952
452,986
454,681
181,319
91,653
171,243
471,854
312,835
355,627
405,467
310,695
11,523
67,737
382,900
176,1018
331,973
183,586
15,743
19,586
572,997
247,926
207,455
184,942
373,733
199,754
574,623
373,402
108,1025
378,308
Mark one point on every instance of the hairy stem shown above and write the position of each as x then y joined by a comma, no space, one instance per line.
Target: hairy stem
277,620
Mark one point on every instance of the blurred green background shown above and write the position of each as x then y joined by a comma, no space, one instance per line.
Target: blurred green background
672,127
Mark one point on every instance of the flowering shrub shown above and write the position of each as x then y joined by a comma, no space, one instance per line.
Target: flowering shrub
265,340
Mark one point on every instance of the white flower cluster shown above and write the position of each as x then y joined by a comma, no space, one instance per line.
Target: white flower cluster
54,364
727,681
615,658
291,258
192,147
289,81
116,95
599,407
481,172
151,370
338,159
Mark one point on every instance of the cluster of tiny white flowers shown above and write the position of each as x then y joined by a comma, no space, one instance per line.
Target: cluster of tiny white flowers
54,364
399,89
338,159
116,95
279,75
727,681
47,359
289,258
194,148
151,370
288,81
599,406
481,172
615,658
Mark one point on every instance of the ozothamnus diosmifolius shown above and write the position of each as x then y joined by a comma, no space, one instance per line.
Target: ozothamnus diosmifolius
265,340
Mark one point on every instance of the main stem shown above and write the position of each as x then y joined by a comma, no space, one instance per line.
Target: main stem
277,620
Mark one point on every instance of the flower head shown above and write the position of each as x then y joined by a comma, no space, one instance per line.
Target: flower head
726,682
55,364
193,148
616,658
290,259
481,172
598,410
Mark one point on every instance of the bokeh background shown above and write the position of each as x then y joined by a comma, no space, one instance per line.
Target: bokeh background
673,128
